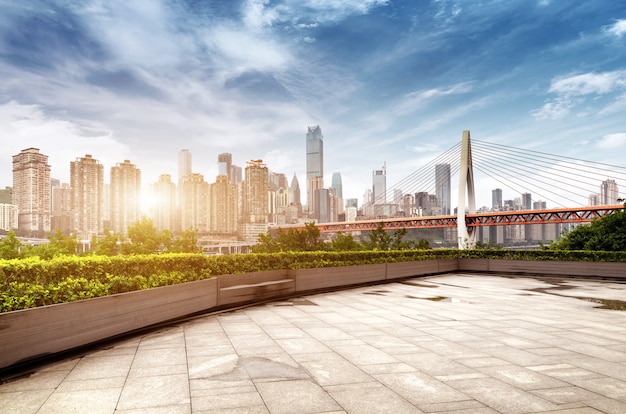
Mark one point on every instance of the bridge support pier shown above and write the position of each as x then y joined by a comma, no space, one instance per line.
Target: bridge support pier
466,235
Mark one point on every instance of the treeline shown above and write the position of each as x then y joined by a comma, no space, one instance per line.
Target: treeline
142,238
308,240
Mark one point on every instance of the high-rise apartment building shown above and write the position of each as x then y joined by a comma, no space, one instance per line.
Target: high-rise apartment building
8,216
609,192
164,212
443,188
125,195
224,217
379,185
31,191
195,203
62,217
314,163
184,164
87,197
255,202
255,192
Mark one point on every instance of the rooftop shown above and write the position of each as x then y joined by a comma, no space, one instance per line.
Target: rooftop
457,343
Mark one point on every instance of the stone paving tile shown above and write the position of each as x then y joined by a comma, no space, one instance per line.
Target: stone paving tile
608,387
607,405
24,402
419,388
434,364
296,396
565,395
101,367
335,371
370,397
89,401
522,378
146,392
171,409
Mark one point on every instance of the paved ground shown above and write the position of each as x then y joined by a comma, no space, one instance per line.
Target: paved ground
490,344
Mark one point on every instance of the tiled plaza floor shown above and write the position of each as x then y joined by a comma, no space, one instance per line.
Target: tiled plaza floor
459,343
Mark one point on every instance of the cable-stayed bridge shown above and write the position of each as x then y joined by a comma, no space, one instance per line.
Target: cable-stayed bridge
582,190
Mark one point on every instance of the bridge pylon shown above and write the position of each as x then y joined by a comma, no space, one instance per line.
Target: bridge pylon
466,235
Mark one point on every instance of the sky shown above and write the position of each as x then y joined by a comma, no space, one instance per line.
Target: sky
392,82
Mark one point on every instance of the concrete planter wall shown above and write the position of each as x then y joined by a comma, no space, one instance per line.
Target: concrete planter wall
32,333
254,287
544,267
330,277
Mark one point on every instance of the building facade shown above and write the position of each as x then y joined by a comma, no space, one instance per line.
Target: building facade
609,192
87,196
125,193
314,163
195,203
165,211
31,191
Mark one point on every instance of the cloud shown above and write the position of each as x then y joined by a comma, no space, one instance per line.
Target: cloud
612,141
589,83
573,90
618,28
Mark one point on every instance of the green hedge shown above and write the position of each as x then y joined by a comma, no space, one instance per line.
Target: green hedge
34,282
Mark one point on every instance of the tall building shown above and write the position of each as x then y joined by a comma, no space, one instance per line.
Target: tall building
496,199
337,185
184,164
125,195
224,164
223,209
255,205
295,191
31,191
87,184
194,203
379,185
527,201
443,188
236,175
8,216
314,162
609,192
62,218
164,213
255,192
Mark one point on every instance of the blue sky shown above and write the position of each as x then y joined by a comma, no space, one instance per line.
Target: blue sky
388,81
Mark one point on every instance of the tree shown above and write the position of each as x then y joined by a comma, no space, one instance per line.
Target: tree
10,246
107,246
606,233
144,238
187,242
379,239
292,240
344,242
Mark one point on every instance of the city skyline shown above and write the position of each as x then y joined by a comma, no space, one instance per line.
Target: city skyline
391,81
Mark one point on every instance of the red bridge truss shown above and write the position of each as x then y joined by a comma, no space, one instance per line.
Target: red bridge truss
560,215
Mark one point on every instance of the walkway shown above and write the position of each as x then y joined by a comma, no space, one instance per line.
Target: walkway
446,344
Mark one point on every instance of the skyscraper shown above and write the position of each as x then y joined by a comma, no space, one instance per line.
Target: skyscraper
379,185
314,163
224,163
125,192
609,192
194,203
164,192
184,164
443,189
223,206
295,190
496,199
255,206
337,185
87,184
527,201
31,190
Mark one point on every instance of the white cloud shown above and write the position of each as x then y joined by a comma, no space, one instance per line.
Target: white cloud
589,83
618,28
612,141
25,126
572,90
